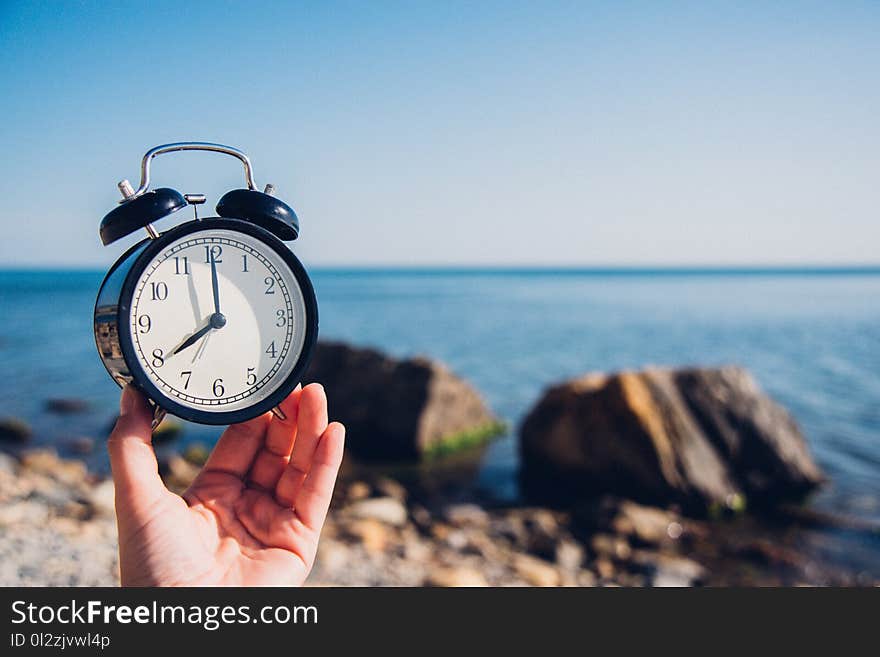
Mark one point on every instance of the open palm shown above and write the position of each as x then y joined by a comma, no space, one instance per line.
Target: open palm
253,515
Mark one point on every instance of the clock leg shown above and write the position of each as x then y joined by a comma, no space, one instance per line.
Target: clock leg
277,412
158,416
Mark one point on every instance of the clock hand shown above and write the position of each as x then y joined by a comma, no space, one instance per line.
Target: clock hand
195,337
201,350
214,286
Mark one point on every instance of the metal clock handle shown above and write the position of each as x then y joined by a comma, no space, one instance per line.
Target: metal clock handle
125,186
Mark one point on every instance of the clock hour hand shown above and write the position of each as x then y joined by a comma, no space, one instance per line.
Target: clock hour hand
215,321
195,337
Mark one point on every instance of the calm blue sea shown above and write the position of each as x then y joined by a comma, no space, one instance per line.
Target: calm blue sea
812,338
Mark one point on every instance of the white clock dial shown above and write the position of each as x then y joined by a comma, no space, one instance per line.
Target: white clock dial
226,358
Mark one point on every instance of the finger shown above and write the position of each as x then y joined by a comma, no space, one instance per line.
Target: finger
273,457
311,423
314,496
234,453
132,459
282,432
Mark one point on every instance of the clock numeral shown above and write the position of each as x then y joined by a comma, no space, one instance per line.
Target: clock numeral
270,285
271,349
188,374
177,262
215,251
218,388
159,291
244,268
251,377
158,358
145,323
281,318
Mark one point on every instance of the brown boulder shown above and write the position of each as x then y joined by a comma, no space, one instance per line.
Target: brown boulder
700,437
399,409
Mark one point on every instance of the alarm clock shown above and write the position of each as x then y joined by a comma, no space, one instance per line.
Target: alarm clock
214,319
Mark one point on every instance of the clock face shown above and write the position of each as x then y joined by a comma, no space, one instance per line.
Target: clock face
218,320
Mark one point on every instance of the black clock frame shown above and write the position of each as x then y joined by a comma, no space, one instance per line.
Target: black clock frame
138,262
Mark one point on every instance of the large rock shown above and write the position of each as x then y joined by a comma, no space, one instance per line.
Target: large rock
700,437
399,409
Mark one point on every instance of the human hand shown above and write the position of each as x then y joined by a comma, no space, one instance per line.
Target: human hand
253,515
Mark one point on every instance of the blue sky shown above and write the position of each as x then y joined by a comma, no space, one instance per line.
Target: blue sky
459,133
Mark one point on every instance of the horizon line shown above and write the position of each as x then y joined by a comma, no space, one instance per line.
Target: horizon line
808,268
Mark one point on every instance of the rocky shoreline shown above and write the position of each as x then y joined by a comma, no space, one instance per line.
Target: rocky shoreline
57,528
659,477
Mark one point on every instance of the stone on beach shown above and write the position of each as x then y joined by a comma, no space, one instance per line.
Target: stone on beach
399,410
383,509
66,405
13,430
699,437
456,577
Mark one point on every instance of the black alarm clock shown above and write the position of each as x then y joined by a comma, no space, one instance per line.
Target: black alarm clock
215,319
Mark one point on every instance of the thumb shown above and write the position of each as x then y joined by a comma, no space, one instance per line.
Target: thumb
132,459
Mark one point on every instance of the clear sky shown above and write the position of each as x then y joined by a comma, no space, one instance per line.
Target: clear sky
483,133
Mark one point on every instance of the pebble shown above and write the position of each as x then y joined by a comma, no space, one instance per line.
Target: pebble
390,488
569,555
371,533
384,509
613,547
358,490
462,515
536,572
455,577
102,498
8,464
648,524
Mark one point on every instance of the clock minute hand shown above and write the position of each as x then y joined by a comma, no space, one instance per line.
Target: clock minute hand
195,337
214,285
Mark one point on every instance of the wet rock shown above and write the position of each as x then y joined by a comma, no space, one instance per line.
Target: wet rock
536,572
66,406
455,577
14,430
383,509
699,437
399,409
